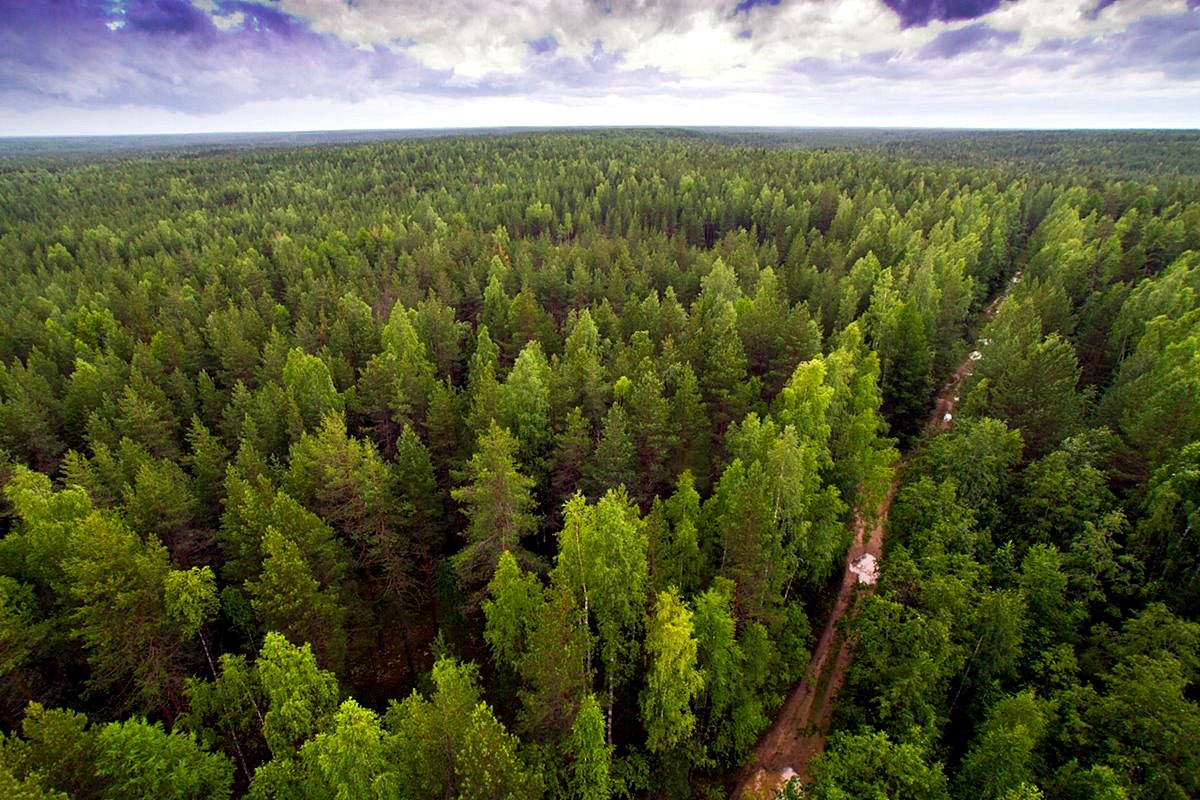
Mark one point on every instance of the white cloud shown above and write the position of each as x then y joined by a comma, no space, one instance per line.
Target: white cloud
689,39
668,62
228,22
1040,20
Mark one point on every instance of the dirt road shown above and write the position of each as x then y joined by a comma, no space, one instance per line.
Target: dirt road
798,733
787,748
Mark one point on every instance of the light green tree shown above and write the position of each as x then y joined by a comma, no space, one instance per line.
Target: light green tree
139,759
591,756
602,562
301,697
310,391
672,680
346,761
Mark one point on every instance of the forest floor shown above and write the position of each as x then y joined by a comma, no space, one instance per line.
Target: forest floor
786,750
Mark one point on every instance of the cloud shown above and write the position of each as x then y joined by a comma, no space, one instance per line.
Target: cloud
973,38
1166,45
745,5
169,53
791,59
922,12
543,45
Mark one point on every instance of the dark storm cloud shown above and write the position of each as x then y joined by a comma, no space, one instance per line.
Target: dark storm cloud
973,38
1168,45
921,12
170,54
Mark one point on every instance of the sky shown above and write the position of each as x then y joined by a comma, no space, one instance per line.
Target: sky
70,67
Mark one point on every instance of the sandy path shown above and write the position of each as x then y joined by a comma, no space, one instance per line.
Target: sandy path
798,733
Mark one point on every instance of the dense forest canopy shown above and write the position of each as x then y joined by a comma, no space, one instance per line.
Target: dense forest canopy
524,465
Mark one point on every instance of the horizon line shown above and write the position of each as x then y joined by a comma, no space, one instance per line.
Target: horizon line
627,127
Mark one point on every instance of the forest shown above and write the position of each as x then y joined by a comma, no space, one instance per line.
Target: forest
525,465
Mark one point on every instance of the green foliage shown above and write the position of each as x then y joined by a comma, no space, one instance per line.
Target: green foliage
578,378
301,696
524,408
556,669
117,585
734,712
614,461
672,681
862,458
1000,762
247,403
1151,395
252,508
310,391
346,762
38,546
226,713
717,353
452,744
673,538
498,504
602,562
139,759
873,766
905,662
191,599
906,370
514,600
27,789
1027,380
979,456
289,599
57,752
1172,508
1144,727
346,481
591,756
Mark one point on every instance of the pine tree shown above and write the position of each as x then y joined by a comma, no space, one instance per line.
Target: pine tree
287,598
572,452
614,462
498,503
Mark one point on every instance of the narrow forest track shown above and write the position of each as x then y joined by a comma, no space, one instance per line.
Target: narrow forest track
798,734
